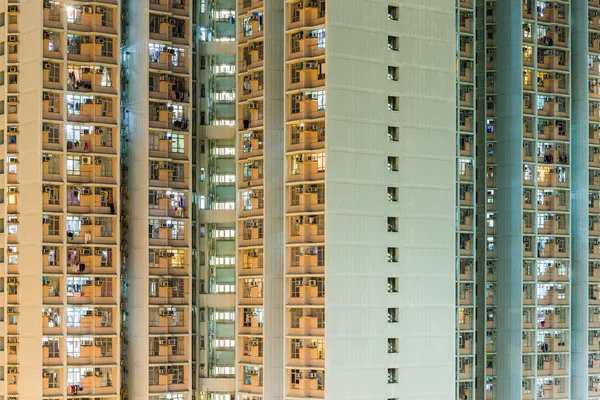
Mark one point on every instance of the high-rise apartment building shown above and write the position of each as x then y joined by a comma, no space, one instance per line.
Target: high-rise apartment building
344,156
292,199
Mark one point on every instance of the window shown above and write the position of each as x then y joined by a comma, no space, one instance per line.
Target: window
393,73
153,376
393,43
393,133
393,103
392,375
107,47
392,345
154,82
393,13
392,163
393,315
392,193
392,224
295,287
73,165
296,68
392,254
392,285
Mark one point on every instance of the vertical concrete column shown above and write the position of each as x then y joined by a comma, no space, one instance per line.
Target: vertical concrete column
509,198
579,200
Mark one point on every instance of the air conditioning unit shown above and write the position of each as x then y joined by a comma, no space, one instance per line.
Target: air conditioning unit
165,224
13,339
47,35
13,370
87,313
46,97
86,160
12,279
162,371
298,97
46,283
164,283
13,69
13,39
164,78
299,190
12,99
313,283
172,341
45,250
298,36
85,251
88,10
86,191
98,372
99,131
47,374
100,40
172,21
312,189
98,252
298,375
311,220
13,189
312,375
253,254
13,310
100,10
253,106
12,159
98,161
13,9
98,313
299,5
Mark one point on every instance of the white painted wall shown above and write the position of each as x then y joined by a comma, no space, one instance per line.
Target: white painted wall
357,205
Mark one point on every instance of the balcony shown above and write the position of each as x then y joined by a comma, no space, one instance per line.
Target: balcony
308,167
99,22
306,48
98,381
171,378
252,264
306,198
311,76
308,107
551,366
253,115
252,381
306,291
169,174
305,16
253,30
308,324
170,349
94,321
85,260
168,58
168,262
246,5
169,204
252,233
169,233
252,88
168,320
93,291
311,385
100,231
251,145
92,80
554,224
251,293
553,272
90,200
552,59
465,318
89,49
306,229
93,351
306,137
252,322
84,109
169,291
